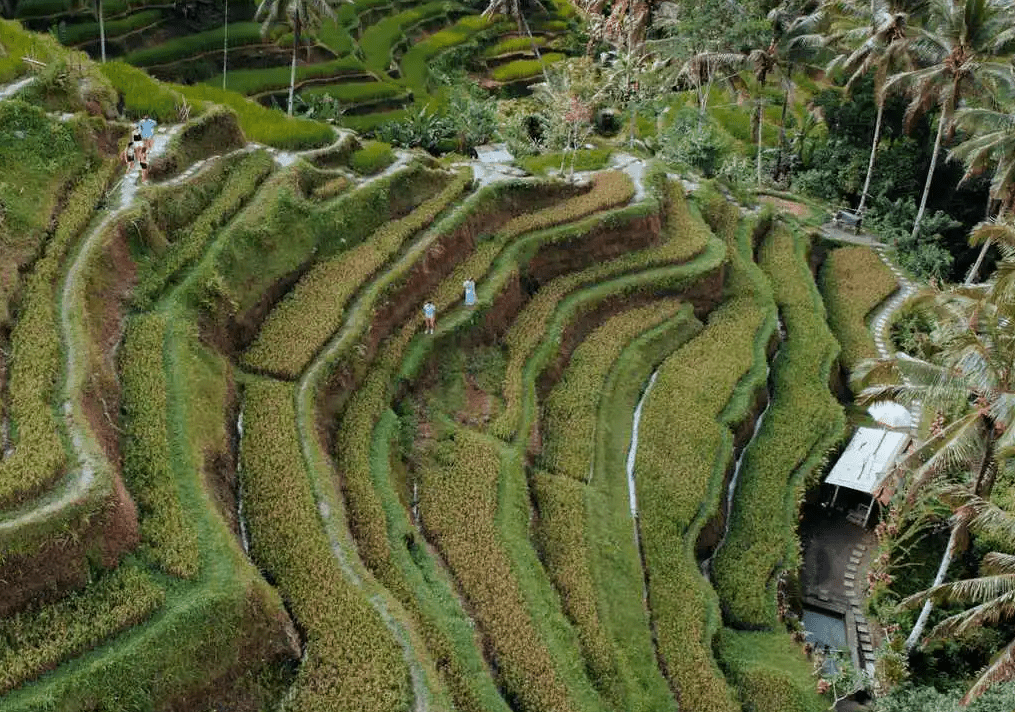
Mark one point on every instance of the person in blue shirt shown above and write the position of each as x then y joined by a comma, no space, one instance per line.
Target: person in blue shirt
429,313
147,129
470,292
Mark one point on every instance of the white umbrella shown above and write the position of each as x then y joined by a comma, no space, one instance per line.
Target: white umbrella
890,413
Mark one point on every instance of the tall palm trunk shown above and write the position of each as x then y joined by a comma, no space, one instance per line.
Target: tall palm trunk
870,163
946,560
945,116
225,41
975,269
292,70
782,125
102,32
523,25
761,117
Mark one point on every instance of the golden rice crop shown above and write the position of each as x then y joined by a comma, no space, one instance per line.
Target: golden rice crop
459,502
166,534
771,671
761,538
300,325
353,661
571,408
685,237
39,457
37,640
854,281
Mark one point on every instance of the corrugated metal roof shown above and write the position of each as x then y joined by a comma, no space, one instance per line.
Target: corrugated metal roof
868,459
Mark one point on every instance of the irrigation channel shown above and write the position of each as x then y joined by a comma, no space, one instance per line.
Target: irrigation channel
631,453
241,520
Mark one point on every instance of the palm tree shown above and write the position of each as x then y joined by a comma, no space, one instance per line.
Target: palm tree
992,592
992,143
959,50
300,15
973,378
880,48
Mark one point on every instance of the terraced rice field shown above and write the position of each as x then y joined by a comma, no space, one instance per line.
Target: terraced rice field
238,474
373,59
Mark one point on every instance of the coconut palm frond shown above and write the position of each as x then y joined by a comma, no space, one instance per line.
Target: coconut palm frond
1001,669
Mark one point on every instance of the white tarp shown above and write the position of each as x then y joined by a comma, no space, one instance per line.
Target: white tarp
868,459
890,413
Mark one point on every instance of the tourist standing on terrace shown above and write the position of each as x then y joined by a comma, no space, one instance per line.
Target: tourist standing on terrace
147,128
429,313
142,157
470,292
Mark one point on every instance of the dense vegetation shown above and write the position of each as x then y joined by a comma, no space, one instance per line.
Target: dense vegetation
235,469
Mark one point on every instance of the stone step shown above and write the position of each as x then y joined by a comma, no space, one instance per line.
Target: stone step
854,559
850,575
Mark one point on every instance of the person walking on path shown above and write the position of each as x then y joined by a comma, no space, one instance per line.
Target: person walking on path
147,128
470,292
142,157
429,313
129,155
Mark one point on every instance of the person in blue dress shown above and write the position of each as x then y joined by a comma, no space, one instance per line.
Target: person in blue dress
429,313
470,292
147,128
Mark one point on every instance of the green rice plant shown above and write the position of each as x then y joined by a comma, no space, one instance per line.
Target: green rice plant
520,69
301,324
167,536
41,8
459,509
257,81
352,659
334,35
510,45
570,410
415,62
378,40
239,185
365,123
262,125
89,31
584,160
40,456
761,540
240,33
372,158
37,640
18,42
614,556
356,93
141,93
770,671
331,188
854,281
683,239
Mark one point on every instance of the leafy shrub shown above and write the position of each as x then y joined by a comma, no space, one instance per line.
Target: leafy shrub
352,658
17,43
693,143
240,33
854,281
141,93
37,640
923,255
524,68
331,188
